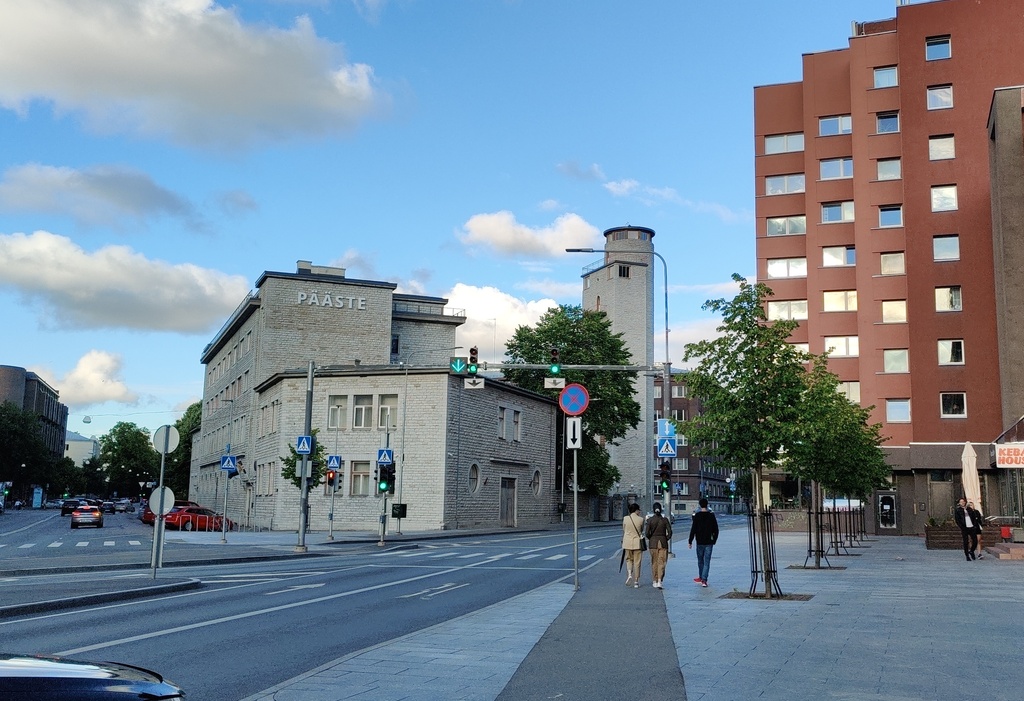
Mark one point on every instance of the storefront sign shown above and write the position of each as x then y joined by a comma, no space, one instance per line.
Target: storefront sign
336,301
1010,455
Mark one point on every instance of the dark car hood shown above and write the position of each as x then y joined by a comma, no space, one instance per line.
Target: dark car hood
34,676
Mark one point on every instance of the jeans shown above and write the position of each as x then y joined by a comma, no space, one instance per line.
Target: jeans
704,560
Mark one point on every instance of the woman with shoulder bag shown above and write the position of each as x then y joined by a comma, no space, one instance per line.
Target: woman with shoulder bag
632,544
659,531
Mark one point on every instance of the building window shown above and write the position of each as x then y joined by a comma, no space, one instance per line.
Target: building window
897,410
946,247
790,309
657,391
623,271
517,425
838,256
886,77
678,391
948,299
887,122
502,414
787,226
835,168
890,215
387,411
832,126
784,184
954,405
944,198
889,169
337,411
836,212
941,148
680,415
840,301
842,346
362,411
474,479
896,360
951,351
894,311
536,482
937,48
395,345
850,390
940,97
783,143
893,263
360,483
802,347
786,267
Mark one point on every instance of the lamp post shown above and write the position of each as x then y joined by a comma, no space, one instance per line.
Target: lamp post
405,404
666,381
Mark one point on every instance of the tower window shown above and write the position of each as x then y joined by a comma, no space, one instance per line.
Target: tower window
623,271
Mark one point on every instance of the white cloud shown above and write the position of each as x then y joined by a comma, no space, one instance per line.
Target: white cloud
189,70
581,172
98,196
95,379
492,317
621,188
726,289
549,205
114,287
501,233
650,196
558,289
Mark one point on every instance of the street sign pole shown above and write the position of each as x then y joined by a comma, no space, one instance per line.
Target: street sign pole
573,400
300,547
165,440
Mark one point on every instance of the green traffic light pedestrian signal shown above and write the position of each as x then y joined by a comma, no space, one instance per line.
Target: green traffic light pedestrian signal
556,364
474,361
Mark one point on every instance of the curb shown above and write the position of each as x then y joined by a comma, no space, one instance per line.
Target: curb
102,598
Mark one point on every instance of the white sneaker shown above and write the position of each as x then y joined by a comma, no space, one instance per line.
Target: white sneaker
629,579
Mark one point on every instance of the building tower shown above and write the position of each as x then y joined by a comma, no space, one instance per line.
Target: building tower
621,284
875,230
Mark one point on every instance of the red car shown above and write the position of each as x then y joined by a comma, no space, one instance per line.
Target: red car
148,517
198,518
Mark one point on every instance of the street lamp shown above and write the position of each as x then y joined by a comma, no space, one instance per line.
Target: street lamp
666,381
405,404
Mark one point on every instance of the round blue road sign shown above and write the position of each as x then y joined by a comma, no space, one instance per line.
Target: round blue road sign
574,399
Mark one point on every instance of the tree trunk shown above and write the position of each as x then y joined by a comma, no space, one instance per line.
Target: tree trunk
816,522
760,511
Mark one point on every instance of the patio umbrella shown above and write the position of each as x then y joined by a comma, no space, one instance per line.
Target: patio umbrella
970,479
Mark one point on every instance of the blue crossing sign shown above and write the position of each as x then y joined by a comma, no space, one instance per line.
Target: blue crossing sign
666,447
304,445
228,462
333,462
385,456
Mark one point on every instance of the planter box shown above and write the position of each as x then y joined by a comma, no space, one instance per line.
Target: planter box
942,538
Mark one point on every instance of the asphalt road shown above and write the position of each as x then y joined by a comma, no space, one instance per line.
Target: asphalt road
253,625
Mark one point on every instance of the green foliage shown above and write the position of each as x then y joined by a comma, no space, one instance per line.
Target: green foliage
317,470
128,457
65,478
582,338
178,465
21,444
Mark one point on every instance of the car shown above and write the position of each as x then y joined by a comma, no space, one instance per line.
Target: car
53,503
148,517
68,506
41,678
124,505
87,515
107,507
188,518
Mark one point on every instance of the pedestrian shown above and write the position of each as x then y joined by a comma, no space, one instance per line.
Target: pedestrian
704,530
659,531
632,540
17,504
969,522
977,523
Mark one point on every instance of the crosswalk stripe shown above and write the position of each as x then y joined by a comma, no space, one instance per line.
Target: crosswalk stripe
83,544
437,555
26,545
556,557
528,557
587,557
108,543
55,545
466,557
134,542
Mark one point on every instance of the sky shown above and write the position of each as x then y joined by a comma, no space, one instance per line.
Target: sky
156,156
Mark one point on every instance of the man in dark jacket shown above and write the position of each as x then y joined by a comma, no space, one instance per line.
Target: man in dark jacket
704,530
969,521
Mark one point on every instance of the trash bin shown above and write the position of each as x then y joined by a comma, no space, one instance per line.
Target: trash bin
1006,533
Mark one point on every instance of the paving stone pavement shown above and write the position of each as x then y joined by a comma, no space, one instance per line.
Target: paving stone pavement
891,620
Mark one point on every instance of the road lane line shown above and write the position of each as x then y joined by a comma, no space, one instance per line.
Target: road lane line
556,557
108,543
83,544
529,557
26,545
55,545
134,542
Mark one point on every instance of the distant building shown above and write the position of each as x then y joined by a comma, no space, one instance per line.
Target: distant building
79,448
30,392
467,454
888,184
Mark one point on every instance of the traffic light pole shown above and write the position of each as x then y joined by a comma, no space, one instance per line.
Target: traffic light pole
300,547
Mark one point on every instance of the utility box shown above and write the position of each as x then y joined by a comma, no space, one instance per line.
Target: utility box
1018,535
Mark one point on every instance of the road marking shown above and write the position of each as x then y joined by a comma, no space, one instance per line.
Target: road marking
83,544
55,545
295,588
412,554
587,557
448,554
556,557
134,542
108,543
465,557
528,557
26,545
431,592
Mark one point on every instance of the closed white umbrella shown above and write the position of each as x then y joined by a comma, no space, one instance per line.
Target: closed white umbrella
970,479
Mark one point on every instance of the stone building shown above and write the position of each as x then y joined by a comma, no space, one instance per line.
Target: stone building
30,392
467,454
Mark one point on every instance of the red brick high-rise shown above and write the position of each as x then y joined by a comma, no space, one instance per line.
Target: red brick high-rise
874,229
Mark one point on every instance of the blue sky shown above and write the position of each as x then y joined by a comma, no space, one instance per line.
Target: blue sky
156,156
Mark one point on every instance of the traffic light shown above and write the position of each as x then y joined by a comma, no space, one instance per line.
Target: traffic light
556,364
384,482
665,482
474,361
391,479
332,480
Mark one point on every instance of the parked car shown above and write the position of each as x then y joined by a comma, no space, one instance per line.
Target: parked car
199,518
107,507
68,506
148,517
53,503
52,678
87,515
124,505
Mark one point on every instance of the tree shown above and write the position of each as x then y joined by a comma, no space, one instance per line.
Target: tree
178,466
316,470
836,445
24,459
128,457
750,381
583,337
65,479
